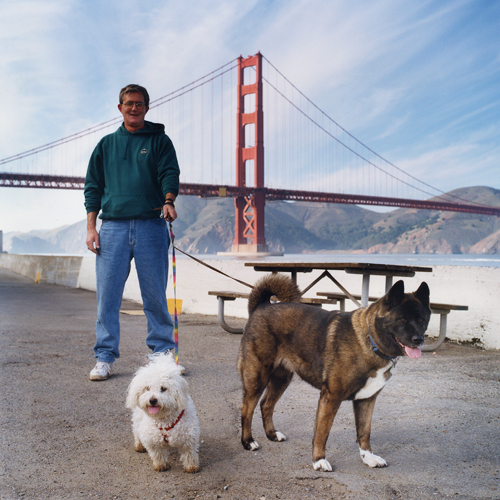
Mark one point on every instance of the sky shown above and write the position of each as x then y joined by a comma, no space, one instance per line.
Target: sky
418,82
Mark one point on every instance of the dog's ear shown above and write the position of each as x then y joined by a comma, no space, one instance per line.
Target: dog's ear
423,293
180,391
134,391
395,294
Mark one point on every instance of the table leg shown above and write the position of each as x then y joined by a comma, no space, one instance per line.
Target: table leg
388,283
294,276
365,289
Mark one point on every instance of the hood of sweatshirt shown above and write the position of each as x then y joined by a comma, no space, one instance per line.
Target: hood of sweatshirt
149,128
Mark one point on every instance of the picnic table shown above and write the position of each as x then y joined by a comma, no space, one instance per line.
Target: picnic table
332,297
365,269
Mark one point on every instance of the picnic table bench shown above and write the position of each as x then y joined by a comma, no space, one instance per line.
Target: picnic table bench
436,308
222,297
333,298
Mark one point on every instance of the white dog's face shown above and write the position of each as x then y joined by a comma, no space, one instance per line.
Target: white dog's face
158,389
162,398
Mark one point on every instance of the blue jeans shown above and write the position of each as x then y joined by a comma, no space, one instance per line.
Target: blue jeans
147,242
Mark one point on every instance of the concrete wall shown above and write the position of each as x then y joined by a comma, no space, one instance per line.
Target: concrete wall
58,270
476,287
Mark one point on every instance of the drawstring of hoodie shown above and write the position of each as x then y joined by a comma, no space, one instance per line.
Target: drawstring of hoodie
126,147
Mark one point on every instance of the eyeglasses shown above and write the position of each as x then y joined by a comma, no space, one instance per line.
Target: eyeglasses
130,105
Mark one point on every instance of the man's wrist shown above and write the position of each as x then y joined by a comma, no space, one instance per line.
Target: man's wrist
91,221
169,201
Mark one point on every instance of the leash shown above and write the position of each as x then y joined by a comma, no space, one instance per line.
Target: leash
195,259
213,268
174,273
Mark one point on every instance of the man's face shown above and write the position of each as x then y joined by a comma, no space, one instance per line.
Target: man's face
133,110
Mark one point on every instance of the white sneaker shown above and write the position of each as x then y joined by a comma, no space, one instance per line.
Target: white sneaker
101,371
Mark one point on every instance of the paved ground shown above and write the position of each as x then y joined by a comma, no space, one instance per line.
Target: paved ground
62,436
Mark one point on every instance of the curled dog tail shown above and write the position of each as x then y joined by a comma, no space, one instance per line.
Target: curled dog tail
277,285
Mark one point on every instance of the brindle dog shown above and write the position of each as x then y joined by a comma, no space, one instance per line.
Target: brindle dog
347,355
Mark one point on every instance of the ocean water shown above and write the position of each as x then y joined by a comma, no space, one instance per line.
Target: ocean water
398,259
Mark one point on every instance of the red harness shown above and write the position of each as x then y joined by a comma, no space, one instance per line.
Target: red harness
164,430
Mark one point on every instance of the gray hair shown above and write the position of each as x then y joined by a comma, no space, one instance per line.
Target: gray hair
133,87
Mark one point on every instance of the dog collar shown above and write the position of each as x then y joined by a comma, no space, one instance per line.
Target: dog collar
164,430
378,352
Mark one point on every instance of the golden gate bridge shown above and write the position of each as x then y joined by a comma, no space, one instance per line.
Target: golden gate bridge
218,126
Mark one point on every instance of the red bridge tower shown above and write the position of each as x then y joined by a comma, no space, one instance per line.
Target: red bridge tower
249,216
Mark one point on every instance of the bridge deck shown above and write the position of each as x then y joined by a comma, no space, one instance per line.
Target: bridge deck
208,190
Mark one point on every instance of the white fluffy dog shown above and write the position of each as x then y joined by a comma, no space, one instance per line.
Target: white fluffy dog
164,415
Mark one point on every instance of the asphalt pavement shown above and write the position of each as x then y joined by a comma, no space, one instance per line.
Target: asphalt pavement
436,423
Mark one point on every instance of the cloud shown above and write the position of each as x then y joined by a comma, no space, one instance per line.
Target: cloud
450,166
415,81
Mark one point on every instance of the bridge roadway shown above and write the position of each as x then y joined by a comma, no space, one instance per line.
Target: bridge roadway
210,190
62,436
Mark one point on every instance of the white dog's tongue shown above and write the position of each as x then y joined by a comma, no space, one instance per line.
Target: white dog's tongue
156,409
413,352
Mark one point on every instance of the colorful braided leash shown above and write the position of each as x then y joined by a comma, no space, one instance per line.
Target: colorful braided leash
174,273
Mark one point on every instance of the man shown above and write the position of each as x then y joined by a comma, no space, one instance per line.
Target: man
133,180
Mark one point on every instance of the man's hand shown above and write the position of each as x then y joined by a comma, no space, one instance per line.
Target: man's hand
92,234
169,213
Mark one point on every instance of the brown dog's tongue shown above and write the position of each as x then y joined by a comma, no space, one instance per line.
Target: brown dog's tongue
413,352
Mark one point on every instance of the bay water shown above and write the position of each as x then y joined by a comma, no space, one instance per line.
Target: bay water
480,260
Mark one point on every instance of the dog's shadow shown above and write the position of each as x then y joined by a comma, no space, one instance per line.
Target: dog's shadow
214,450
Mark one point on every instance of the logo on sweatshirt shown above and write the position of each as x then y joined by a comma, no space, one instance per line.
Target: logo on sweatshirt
144,151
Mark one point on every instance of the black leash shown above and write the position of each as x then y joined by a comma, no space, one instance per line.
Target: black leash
213,268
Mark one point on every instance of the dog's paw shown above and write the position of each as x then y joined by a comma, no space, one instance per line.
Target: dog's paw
276,436
372,460
190,461
161,467
280,436
322,465
252,446
139,448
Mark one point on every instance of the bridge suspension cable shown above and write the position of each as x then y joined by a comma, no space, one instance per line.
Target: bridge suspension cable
441,194
114,121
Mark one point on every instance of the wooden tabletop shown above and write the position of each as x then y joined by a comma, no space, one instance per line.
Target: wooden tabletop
360,267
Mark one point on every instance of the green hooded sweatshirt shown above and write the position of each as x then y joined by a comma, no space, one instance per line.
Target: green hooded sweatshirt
130,173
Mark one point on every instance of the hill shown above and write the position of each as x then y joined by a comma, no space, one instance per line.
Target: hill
206,226
424,231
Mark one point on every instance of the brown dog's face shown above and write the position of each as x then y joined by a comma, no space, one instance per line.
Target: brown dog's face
404,319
